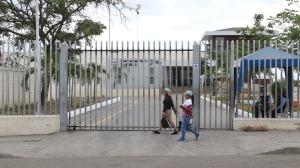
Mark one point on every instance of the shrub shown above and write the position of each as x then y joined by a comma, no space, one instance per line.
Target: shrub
279,88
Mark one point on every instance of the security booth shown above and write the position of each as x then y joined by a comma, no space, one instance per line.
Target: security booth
262,60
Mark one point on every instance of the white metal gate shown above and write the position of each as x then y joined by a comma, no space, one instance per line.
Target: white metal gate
118,86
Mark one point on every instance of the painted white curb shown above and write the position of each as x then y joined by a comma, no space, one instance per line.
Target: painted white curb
92,107
224,106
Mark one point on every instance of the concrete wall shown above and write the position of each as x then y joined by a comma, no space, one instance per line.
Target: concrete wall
267,123
29,125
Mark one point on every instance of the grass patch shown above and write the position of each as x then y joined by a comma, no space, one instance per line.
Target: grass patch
50,108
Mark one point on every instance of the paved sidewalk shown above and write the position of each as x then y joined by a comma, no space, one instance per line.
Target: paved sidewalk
157,162
130,144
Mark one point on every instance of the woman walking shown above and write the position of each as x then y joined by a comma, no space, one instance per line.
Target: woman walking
187,115
168,105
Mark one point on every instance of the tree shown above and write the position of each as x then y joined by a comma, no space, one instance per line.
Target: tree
284,27
56,19
60,20
287,23
257,31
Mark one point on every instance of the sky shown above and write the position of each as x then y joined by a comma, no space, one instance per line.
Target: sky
181,20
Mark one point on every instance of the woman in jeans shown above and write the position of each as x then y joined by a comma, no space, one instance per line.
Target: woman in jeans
167,113
187,115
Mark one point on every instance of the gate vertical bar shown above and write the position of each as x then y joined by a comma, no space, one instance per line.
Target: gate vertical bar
45,76
122,81
7,81
242,74
249,77
160,80
90,85
253,73
96,80
13,76
133,82
298,77
85,83
106,83
3,79
29,76
138,83
222,81
153,77
127,82
237,77
276,78
70,95
101,83
76,77
232,96
19,87
144,103
196,83
149,91
291,73
215,94
227,81
205,83
56,75
63,86
182,76
50,73
210,82
117,84
111,88
176,72
264,83
24,73
80,85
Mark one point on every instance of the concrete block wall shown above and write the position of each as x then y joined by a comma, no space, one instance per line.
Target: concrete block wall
29,125
267,123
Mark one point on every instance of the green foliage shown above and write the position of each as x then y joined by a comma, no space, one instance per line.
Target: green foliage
60,20
258,31
284,27
288,24
279,88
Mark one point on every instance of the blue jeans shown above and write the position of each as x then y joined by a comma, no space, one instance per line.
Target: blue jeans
186,127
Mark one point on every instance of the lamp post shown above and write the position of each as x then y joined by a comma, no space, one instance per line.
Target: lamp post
137,9
38,57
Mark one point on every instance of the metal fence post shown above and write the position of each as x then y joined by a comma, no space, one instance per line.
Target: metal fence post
195,86
63,85
232,95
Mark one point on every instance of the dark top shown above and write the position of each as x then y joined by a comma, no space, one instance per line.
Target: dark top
168,104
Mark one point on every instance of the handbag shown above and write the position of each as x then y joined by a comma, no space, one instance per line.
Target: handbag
165,123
